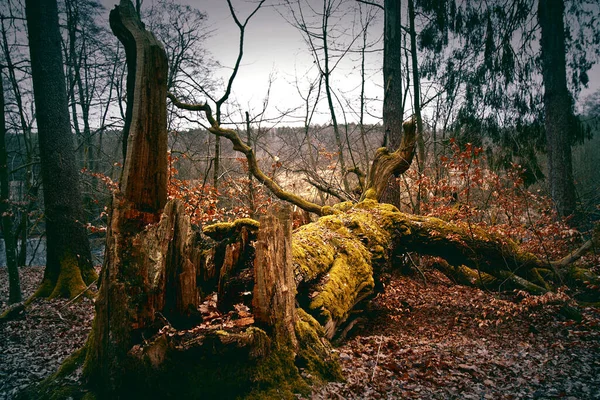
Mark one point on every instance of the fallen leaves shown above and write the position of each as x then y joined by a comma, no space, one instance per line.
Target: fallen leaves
33,347
421,341
427,341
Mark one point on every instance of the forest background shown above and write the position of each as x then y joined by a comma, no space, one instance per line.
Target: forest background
308,94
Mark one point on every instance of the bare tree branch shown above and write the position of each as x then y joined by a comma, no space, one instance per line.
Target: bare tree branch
370,3
243,148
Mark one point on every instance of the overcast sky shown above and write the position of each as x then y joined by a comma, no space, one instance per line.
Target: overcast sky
273,47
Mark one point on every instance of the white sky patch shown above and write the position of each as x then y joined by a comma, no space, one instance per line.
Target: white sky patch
275,48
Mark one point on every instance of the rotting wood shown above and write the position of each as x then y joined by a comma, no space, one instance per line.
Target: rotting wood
275,289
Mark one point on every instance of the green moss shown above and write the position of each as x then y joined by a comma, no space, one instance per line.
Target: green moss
276,376
71,363
578,274
471,276
341,251
88,273
515,281
312,254
535,276
343,206
45,289
223,230
329,210
70,282
349,281
315,355
370,194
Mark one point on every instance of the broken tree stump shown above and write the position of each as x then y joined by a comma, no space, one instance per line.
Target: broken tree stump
275,288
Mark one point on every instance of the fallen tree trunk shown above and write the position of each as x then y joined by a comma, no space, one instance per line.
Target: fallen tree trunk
339,258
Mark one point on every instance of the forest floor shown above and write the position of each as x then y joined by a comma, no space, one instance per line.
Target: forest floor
420,340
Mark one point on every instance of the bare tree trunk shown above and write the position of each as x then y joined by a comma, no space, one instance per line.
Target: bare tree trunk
363,139
558,105
274,300
26,132
68,261
388,164
14,285
251,195
217,162
393,105
416,99
132,293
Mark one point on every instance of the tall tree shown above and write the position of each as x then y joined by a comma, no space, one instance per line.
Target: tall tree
68,257
393,105
416,96
486,55
14,286
393,101
558,105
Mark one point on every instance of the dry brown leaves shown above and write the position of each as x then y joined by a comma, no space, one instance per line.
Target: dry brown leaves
442,341
33,347
426,341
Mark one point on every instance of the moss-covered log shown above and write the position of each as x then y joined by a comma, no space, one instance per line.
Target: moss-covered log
337,258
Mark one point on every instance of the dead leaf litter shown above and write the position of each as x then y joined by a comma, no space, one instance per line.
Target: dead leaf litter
417,340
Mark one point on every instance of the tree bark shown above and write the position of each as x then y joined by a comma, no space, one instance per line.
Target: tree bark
388,164
558,105
10,244
275,289
393,106
421,154
68,260
142,240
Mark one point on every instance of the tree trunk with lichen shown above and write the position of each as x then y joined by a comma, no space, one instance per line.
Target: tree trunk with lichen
68,259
